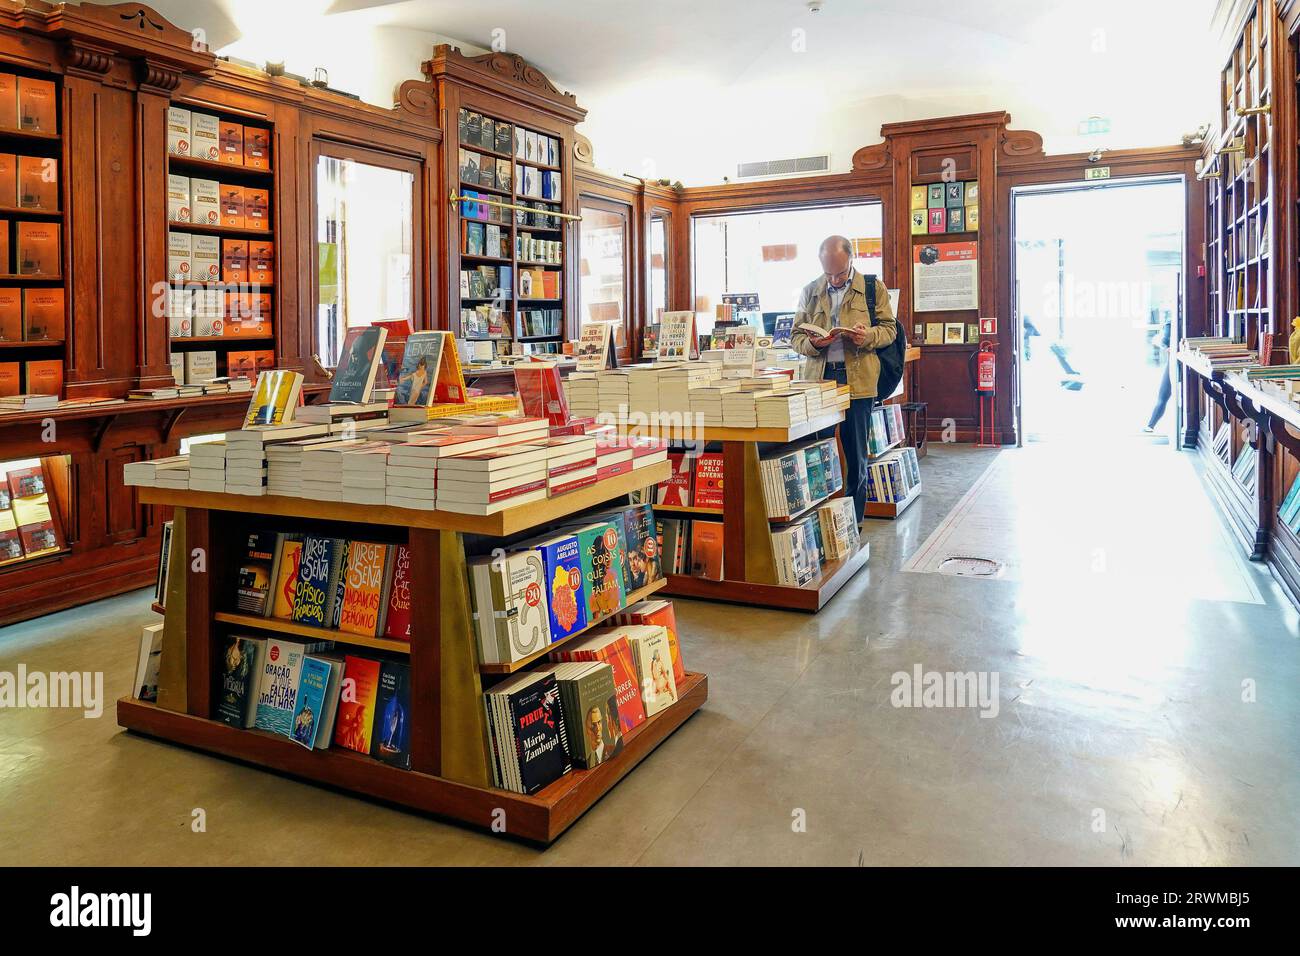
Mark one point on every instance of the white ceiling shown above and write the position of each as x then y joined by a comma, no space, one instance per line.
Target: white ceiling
687,88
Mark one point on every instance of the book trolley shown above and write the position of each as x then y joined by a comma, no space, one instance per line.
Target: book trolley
450,773
748,561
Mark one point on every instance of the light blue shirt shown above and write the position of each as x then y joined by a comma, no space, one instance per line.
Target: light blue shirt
835,351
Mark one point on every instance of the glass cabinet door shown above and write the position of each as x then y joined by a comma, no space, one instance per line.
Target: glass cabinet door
603,271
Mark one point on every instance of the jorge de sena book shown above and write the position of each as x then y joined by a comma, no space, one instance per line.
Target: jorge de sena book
315,591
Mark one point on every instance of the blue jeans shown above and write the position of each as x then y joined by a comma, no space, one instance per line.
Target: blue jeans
855,434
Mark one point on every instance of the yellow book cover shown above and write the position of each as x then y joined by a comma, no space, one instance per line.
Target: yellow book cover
273,397
286,580
363,588
918,197
450,385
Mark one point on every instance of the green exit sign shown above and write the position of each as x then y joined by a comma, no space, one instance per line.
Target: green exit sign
1097,172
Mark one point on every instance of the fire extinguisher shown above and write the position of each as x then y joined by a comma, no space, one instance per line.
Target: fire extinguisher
986,369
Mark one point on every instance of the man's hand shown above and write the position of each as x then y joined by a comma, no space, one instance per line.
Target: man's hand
824,342
858,334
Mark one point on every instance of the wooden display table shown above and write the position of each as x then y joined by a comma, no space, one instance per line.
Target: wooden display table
748,560
450,771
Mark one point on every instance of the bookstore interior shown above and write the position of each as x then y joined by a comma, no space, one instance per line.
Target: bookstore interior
503,435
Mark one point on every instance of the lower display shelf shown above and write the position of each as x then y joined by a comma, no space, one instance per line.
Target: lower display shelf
891,509
539,818
810,597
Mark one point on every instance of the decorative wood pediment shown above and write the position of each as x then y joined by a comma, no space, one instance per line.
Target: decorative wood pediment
1020,144
870,159
98,34
505,74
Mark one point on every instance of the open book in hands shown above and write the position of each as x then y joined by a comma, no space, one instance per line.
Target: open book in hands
817,332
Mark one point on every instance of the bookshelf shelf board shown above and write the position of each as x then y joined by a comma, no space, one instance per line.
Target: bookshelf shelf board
213,166
27,277
28,560
810,598
539,262
540,818
892,445
540,338
319,633
638,595
803,511
476,187
234,340
222,230
30,134
891,509
512,520
534,299
474,148
25,211
479,256
32,344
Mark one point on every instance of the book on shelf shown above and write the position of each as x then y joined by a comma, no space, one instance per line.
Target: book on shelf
839,529
590,711
391,734
243,661
609,645
892,477
148,663
530,745
164,565
798,558
706,542
277,691
708,481
674,544
661,614
652,656
29,501
359,361
356,712
275,398
430,371
508,599
254,574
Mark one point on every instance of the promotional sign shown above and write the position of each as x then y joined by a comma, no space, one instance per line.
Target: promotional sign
945,276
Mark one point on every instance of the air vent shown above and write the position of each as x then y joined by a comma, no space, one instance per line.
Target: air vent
768,168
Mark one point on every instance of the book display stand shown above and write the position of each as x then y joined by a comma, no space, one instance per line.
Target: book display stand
450,771
749,563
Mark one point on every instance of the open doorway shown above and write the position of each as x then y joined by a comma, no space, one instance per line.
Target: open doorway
1099,278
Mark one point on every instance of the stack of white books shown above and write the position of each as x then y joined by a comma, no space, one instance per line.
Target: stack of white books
581,390
208,466
781,409
706,401
365,473
144,474
486,482
246,467
676,382
356,427
571,464
739,409
411,475
614,389
322,469
175,476
284,465
28,403
330,412
813,393
643,388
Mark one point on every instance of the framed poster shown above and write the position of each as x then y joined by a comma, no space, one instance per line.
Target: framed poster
945,276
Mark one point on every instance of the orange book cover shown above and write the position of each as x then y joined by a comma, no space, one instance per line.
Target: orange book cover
242,365
232,206
45,377
257,211
6,261
8,179
43,314
357,710
38,248
265,359
662,614
8,101
234,260
231,136
37,105
286,580
363,588
38,183
261,261
11,315
257,147
706,550
10,382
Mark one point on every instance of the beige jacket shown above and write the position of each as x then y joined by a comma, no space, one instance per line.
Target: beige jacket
861,364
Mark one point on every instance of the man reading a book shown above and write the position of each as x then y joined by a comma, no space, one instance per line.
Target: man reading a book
835,328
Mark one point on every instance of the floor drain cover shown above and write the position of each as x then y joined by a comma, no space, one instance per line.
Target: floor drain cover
971,567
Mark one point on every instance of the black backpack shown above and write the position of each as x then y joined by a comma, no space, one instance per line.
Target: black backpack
891,356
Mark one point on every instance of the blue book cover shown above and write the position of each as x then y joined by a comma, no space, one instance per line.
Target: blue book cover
391,741
1291,503
310,705
784,329
277,694
313,599
565,595
419,368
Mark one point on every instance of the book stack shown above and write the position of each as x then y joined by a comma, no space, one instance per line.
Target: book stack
208,466
658,613
643,388
893,476
29,403
590,711
613,392
891,423
796,478
706,401
487,482
676,382
144,474
530,744
365,473
839,529
781,409
582,392
322,467
571,464
411,474
246,450
797,549
284,464
1222,355
647,451
176,476
610,645
613,457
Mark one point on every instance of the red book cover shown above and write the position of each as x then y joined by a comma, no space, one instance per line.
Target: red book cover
610,471
662,614
706,550
708,481
676,491
540,392
398,624
613,649
356,715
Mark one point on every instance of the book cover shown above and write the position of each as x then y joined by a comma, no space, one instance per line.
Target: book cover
956,219
275,396
354,378
11,542
254,579
257,210
318,575
661,614
938,220
277,693
287,565
654,668
11,315
602,569
565,593
540,392
517,619
257,147
37,105
540,738
38,183
356,710
420,363
42,314
10,379
45,377
919,197
391,738
8,179
610,645
35,521
241,664
706,550
363,588
37,248
309,707
934,196
231,143
591,717
676,491
397,617
708,481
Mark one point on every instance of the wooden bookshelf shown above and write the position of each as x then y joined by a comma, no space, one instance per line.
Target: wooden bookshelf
892,509
450,749
313,633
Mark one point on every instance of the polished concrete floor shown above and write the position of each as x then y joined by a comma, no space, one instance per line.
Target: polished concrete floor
1121,734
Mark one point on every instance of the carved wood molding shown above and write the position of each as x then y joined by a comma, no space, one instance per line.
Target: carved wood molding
160,77
1021,144
873,158
88,59
505,74
125,31
582,151
419,98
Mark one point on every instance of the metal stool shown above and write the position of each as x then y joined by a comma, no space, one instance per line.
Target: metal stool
917,422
